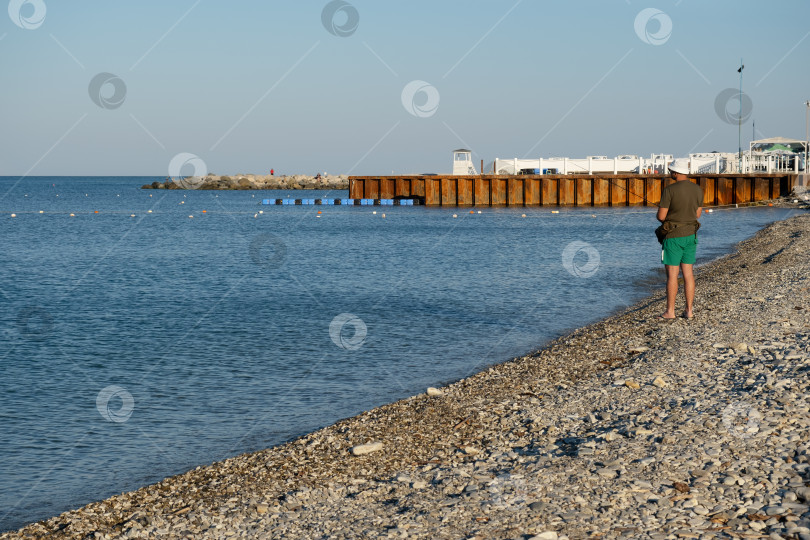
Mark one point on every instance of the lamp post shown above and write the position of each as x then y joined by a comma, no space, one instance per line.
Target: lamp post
806,132
739,119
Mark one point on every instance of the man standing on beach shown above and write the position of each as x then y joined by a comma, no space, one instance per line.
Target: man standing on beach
678,212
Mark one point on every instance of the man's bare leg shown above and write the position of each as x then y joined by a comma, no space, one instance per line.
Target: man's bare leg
688,288
672,290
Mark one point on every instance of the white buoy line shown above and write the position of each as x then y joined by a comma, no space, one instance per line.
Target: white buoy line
575,213
124,213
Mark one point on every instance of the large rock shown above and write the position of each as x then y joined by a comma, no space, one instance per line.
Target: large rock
368,448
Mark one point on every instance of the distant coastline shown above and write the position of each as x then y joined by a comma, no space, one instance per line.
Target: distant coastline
252,181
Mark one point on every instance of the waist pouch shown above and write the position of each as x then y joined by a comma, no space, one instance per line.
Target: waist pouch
669,226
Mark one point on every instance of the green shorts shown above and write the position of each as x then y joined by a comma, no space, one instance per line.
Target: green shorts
678,251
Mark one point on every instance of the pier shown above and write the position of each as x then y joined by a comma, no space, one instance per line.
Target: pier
566,190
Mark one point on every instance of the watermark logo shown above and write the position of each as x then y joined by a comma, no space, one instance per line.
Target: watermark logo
732,107
183,161
420,99
27,14
268,251
348,331
108,91
115,404
340,18
34,323
741,419
580,259
509,491
653,26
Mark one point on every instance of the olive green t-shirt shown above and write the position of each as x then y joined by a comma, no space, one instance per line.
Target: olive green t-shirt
683,198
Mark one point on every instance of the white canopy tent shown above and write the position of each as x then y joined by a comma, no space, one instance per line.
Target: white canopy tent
778,144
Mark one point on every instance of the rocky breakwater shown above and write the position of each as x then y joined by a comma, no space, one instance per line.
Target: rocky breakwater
633,427
252,181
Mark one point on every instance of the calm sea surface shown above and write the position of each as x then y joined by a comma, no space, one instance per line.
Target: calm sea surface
134,348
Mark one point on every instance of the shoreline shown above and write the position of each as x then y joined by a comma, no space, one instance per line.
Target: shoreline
485,441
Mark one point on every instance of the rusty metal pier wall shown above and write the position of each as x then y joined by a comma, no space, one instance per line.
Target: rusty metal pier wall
566,190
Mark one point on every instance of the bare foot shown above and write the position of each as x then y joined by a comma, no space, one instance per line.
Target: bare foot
667,315
688,315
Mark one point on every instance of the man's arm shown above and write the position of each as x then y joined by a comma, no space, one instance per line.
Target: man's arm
662,214
699,212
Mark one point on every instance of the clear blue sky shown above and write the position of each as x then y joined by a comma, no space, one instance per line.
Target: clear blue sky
254,84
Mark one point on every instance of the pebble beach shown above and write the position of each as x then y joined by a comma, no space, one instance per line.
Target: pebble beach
632,427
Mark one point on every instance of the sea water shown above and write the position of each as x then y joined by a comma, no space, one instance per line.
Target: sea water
154,331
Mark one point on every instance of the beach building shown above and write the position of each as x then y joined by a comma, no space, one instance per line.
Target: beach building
462,162
777,154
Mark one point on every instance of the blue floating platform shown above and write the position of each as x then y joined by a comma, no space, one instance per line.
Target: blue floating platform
339,202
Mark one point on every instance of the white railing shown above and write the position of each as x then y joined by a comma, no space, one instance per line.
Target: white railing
774,163
565,165
711,163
